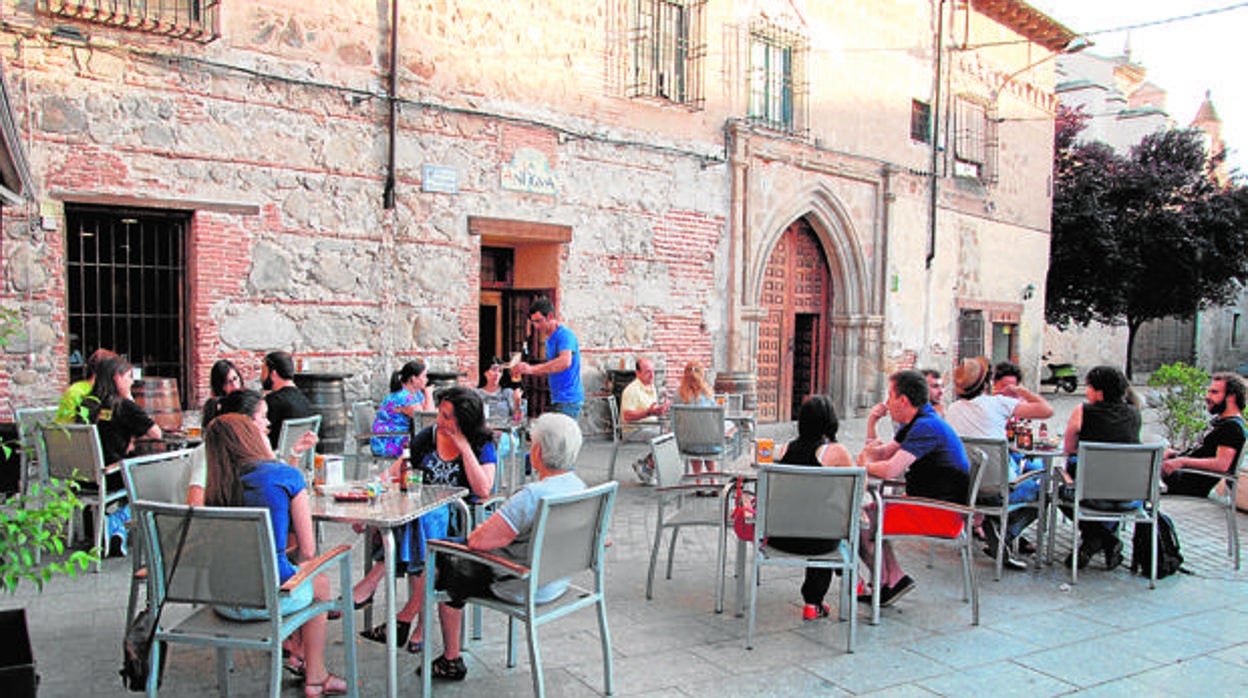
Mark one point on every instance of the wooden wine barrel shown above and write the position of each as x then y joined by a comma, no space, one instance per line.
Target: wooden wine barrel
325,392
159,398
743,382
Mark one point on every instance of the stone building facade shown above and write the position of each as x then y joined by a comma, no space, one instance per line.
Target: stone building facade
806,192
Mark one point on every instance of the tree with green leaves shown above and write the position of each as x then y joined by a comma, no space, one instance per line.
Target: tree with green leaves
1141,237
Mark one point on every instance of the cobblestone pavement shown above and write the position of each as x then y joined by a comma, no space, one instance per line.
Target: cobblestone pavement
1107,635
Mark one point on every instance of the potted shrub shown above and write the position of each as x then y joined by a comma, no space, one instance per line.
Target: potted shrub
31,524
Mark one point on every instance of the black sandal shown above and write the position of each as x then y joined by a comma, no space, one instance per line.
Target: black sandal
446,669
402,629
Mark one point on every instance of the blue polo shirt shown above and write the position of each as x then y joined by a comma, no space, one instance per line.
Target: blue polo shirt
940,469
565,386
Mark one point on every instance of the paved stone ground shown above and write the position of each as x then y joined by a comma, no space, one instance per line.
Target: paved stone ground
1107,635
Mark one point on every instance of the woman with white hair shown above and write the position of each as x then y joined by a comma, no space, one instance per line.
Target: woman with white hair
556,442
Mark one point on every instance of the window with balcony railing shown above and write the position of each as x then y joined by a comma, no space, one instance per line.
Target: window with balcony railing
777,61
668,48
196,20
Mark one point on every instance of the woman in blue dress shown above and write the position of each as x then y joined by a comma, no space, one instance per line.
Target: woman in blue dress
457,451
409,393
242,472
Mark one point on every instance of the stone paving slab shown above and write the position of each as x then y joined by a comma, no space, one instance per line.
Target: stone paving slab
1108,635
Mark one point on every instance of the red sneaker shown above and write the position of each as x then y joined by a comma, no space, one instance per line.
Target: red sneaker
812,612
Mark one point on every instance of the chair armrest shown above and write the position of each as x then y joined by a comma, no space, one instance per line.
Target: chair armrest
461,550
1207,473
930,503
315,566
1025,477
690,487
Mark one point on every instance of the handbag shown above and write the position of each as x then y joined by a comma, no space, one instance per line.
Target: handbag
743,514
136,646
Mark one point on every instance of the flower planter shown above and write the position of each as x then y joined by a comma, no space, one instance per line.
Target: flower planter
17,663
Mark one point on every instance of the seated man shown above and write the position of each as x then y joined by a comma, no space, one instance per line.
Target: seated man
1218,448
556,442
640,408
930,455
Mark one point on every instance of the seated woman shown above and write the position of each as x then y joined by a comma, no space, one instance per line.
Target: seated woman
409,394
1110,415
501,404
243,472
119,419
252,405
223,379
815,446
694,390
457,451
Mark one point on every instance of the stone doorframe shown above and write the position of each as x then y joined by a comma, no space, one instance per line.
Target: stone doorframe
856,358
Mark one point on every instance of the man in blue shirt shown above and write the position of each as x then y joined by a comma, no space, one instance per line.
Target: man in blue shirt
929,455
563,363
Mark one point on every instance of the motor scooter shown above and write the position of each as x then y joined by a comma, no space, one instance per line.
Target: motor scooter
1061,376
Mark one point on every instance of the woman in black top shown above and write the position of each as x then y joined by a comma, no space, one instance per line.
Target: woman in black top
1109,416
815,446
112,408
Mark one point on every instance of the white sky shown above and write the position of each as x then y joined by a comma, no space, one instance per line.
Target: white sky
1185,58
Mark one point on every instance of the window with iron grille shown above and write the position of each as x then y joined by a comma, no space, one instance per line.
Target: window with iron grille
196,20
920,121
975,141
777,78
668,49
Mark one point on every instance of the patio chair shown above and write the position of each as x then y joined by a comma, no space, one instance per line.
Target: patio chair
1118,473
619,433
936,522
292,430
73,452
567,541
995,487
803,501
700,433
29,458
160,477
227,559
678,507
1227,500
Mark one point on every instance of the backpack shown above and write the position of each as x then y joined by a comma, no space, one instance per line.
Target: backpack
1169,559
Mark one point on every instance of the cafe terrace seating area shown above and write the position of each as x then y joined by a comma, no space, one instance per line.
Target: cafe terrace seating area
1107,635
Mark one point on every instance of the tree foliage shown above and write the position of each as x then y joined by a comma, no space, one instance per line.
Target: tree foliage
1143,236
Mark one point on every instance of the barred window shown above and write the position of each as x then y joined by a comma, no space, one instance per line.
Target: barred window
777,70
196,20
668,49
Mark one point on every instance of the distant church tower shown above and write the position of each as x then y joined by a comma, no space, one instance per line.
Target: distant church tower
1207,120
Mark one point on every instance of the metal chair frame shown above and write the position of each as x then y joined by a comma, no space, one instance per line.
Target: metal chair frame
160,477
700,433
292,430
73,452
29,421
1228,501
995,482
568,540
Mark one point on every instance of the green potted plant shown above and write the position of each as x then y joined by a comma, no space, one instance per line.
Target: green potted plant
31,524
1182,409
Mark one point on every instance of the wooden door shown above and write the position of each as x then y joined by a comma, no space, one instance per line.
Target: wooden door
793,339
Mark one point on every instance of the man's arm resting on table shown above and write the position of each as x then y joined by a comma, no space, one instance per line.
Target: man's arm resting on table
491,535
893,468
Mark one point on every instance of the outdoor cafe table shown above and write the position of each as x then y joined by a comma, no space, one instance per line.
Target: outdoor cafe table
388,512
1045,522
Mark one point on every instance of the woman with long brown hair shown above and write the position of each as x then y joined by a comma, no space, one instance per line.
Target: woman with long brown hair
243,472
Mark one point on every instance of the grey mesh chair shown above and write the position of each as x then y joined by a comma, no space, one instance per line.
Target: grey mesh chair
995,487
619,433
567,541
73,452
699,432
944,514
228,559
678,507
29,420
160,477
803,501
292,431
1120,473
1230,481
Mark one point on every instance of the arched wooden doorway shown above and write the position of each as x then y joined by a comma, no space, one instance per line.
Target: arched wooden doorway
793,340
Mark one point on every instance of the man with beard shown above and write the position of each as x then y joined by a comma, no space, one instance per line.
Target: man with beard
285,401
1218,448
